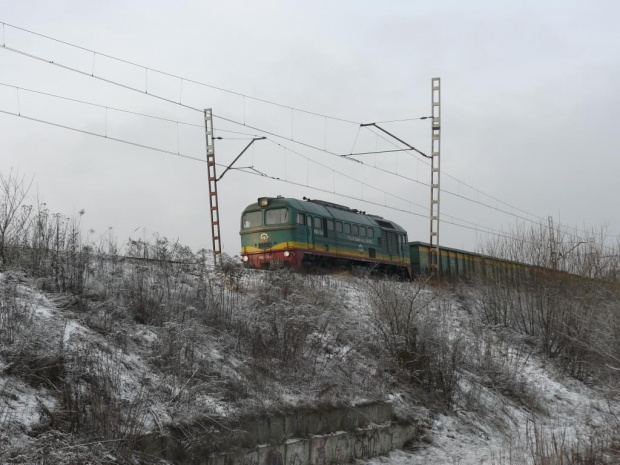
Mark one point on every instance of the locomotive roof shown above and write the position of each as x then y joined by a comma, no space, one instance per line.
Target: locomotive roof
322,209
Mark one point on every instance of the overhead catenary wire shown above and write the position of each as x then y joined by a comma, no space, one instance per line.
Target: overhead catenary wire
169,152
353,178
105,135
122,110
483,228
145,91
165,99
251,170
293,109
536,219
165,73
231,120
455,194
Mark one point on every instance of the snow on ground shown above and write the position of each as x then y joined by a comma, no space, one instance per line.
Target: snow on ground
495,429
486,427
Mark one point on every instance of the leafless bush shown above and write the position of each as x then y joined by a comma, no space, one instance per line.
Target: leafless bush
412,323
14,215
15,312
555,448
572,318
498,366
587,254
92,402
288,310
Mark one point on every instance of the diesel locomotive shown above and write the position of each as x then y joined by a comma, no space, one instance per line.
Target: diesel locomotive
296,233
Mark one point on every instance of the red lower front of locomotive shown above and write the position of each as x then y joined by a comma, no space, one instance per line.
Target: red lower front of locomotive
267,260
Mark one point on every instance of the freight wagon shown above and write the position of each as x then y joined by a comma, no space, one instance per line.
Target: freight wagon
455,263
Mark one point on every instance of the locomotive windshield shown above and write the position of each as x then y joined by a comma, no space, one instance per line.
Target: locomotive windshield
276,216
252,219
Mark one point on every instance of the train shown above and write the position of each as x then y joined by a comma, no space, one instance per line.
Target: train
279,231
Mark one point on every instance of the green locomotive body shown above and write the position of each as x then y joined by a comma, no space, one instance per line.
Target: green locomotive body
295,232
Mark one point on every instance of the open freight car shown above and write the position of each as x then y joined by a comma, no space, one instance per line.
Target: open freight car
455,263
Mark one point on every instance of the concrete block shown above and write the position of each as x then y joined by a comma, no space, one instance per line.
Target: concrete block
249,457
385,441
342,449
297,452
384,412
276,429
364,417
334,420
250,438
219,459
330,448
372,413
272,455
262,430
401,434
350,420
318,454
308,424
290,425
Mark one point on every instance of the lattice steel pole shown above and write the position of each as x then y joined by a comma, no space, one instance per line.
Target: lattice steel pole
435,256
212,178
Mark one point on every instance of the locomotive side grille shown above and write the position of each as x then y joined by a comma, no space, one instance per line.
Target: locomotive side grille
264,245
392,243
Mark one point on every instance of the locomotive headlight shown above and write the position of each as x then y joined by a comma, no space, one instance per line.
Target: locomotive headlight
287,253
245,258
263,201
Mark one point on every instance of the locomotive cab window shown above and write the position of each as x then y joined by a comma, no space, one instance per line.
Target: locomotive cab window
347,228
276,216
338,226
355,230
362,231
301,218
252,219
330,225
309,221
371,233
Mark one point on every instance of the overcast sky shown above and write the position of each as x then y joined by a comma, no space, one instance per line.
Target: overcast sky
530,100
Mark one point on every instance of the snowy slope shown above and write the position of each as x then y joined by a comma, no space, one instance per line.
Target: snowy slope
150,375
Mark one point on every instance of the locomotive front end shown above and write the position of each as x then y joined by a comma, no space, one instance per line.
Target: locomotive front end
268,234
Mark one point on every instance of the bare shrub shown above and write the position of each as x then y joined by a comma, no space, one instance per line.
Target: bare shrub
498,365
572,251
412,323
92,402
14,215
15,312
556,448
291,329
572,318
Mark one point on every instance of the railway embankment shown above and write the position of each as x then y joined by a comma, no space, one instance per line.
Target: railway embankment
167,360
